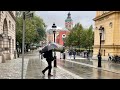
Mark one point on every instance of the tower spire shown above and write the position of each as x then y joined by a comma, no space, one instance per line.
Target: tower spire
69,15
68,22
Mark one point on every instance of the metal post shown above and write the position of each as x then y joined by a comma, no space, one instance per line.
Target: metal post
99,60
55,62
23,41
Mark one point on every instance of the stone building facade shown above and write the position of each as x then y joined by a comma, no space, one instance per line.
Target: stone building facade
7,35
110,20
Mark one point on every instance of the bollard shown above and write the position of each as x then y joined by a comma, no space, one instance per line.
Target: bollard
3,58
15,54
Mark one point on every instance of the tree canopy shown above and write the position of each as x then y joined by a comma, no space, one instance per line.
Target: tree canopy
80,37
34,29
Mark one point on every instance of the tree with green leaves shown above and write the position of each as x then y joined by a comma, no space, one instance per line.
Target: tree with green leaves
34,30
81,37
78,33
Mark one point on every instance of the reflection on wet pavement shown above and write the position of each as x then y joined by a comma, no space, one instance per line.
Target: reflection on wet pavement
105,64
78,69
88,72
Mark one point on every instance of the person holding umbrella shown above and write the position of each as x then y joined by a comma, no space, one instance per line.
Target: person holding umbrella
48,54
49,58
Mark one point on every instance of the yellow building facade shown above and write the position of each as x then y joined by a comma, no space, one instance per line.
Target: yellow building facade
110,20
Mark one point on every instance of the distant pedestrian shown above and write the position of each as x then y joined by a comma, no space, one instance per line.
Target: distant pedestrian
88,55
74,53
109,57
64,55
70,53
99,56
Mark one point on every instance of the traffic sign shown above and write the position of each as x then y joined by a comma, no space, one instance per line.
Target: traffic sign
29,15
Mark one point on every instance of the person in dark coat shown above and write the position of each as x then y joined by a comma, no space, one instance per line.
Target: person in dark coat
74,53
70,53
49,59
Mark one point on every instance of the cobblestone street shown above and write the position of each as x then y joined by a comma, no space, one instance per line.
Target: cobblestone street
12,69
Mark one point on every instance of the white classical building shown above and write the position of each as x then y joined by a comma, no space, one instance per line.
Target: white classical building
7,35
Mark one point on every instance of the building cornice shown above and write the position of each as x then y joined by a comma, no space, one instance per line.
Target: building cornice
106,46
105,14
11,13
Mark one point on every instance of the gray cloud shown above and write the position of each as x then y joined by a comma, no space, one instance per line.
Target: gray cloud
83,17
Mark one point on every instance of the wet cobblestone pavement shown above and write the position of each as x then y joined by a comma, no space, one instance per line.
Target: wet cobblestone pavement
35,66
12,69
81,70
67,69
87,72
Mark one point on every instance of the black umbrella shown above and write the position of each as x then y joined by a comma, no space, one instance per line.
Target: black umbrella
51,46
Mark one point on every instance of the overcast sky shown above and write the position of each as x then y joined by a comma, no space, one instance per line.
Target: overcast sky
83,17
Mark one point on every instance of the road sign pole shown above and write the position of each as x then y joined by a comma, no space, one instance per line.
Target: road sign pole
23,42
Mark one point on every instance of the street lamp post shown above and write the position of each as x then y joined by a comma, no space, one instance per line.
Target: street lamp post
63,37
54,31
99,54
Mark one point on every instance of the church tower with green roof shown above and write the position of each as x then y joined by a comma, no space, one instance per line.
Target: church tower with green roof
69,22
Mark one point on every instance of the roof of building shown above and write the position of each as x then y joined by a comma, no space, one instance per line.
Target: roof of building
50,30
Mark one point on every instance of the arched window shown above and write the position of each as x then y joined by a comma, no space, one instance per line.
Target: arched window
9,24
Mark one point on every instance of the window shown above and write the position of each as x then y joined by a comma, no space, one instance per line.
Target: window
9,24
12,27
110,24
12,45
103,35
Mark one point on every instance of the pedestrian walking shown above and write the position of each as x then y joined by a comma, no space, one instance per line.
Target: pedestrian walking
74,53
49,58
64,55
109,57
88,55
70,53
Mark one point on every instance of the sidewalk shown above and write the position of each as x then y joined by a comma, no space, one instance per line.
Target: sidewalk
12,69
106,65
